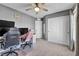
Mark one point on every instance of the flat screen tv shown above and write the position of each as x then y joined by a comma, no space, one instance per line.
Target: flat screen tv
3,30
5,26
23,30
4,23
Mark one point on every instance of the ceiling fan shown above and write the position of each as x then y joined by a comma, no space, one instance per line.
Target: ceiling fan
37,7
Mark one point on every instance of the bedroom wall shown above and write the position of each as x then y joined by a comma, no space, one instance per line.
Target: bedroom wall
22,20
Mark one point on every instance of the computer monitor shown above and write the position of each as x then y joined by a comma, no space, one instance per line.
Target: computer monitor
5,25
3,30
23,30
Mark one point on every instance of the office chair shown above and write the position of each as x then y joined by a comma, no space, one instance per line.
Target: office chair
27,43
11,42
2,43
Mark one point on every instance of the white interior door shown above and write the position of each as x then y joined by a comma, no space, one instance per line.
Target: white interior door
58,30
38,28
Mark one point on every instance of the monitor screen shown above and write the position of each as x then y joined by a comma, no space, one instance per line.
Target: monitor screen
3,30
23,30
4,23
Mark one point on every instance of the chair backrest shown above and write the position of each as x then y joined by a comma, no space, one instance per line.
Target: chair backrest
11,38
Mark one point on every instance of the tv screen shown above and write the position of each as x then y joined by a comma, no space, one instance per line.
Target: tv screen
4,23
5,26
3,30
23,30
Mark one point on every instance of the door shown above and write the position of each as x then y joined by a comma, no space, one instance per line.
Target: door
38,28
58,30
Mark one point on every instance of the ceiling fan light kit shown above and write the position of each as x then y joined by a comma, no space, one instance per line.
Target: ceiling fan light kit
37,7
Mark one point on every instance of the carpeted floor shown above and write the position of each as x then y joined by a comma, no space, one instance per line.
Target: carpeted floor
45,48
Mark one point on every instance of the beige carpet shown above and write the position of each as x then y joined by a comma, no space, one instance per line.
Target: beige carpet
45,48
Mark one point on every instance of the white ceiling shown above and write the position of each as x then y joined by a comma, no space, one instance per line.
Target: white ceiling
52,8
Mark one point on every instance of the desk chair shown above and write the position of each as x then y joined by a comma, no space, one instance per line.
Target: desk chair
11,42
27,43
2,42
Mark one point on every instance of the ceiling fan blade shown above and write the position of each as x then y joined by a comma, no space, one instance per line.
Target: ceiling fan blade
44,9
33,4
28,9
42,3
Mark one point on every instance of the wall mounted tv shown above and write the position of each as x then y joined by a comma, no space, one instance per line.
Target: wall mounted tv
4,23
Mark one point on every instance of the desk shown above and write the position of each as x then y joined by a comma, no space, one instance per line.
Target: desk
2,41
34,40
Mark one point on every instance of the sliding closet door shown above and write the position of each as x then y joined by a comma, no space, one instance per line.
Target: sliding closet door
58,30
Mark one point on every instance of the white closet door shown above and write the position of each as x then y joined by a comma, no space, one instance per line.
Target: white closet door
58,30
38,28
